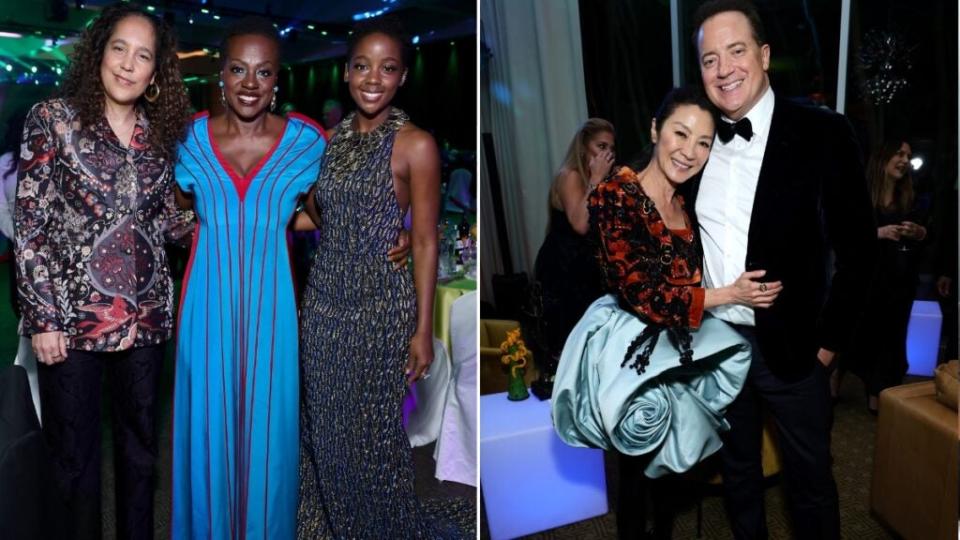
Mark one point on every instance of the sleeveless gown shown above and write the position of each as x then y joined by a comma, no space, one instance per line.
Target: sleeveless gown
236,385
357,318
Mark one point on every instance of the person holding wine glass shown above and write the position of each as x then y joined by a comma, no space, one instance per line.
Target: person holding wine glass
880,354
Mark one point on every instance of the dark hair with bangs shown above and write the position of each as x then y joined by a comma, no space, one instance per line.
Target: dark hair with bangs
685,95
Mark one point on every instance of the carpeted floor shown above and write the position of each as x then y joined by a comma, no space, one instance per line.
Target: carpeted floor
853,441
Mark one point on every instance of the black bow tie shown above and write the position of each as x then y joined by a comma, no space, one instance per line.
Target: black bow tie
726,130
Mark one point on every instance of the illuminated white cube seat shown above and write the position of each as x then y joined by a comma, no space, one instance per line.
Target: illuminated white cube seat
531,481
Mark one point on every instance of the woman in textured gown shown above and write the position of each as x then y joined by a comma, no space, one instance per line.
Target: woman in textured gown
567,276
236,394
367,328
620,384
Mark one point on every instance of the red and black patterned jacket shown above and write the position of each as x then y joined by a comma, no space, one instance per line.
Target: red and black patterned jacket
653,269
91,219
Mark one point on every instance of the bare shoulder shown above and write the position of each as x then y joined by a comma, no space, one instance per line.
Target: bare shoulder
567,177
411,138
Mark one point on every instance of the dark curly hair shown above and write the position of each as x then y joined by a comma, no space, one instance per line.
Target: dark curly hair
388,25
168,115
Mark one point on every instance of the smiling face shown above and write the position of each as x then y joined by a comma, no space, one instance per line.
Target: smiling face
374,73
683,142
249,74
129,60
732,64
899,163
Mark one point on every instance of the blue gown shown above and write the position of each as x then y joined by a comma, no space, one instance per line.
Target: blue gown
236,399
672,412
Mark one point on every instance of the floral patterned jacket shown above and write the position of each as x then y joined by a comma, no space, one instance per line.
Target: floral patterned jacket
91,220
652,269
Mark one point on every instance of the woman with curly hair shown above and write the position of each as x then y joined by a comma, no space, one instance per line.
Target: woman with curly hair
94,207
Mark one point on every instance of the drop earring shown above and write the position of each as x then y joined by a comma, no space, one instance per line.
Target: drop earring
273,102
223,96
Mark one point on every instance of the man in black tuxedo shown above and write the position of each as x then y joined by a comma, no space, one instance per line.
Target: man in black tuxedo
784,186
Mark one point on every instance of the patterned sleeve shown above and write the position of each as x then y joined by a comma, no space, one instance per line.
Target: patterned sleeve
636,263
178,224
34,251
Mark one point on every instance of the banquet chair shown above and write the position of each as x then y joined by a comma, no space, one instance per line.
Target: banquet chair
456,450
29,503
429,396
28,360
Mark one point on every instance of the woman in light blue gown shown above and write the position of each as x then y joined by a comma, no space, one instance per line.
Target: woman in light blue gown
622,384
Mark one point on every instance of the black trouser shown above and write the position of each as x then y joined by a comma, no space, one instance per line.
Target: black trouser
632,503
803,415
70,400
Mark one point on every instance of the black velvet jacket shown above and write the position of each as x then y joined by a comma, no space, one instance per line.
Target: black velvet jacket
811,200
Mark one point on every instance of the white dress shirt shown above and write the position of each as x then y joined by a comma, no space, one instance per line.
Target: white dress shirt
725,203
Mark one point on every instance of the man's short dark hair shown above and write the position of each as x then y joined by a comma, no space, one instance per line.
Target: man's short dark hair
713,7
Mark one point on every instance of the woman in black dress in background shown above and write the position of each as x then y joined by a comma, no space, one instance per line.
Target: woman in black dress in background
880,357
566,268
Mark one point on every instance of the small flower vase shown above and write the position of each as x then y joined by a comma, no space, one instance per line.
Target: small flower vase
516,387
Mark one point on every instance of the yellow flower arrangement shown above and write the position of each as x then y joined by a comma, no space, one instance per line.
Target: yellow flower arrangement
514,352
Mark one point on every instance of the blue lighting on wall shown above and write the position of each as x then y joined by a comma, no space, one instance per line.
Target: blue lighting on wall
501,93
369,14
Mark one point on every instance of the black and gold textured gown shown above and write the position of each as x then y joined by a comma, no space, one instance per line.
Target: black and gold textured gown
357,318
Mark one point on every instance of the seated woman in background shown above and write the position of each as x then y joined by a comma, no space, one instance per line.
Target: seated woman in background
566,267
879,356
618,386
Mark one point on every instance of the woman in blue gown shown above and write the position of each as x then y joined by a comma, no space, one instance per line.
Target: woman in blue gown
647,372
236,390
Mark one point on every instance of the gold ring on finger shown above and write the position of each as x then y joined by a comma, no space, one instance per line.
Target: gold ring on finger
763,287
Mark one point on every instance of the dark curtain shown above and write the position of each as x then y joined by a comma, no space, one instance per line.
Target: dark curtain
627,66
